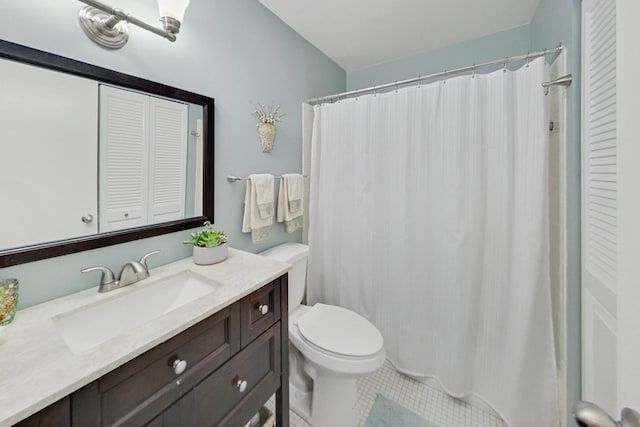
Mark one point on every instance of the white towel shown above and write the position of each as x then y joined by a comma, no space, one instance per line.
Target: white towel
290,196
295,188
258,207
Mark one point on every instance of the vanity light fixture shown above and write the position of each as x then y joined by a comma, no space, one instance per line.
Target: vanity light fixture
107,26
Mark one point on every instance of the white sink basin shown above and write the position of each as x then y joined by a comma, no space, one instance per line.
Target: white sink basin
90,326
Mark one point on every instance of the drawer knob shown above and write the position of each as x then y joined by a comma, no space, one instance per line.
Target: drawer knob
263,309
242,385
179,366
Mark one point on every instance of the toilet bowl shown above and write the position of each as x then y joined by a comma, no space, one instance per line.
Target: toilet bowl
330,347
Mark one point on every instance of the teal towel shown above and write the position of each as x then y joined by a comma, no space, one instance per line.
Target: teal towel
387,413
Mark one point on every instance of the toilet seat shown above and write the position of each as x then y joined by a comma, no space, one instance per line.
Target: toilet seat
339,331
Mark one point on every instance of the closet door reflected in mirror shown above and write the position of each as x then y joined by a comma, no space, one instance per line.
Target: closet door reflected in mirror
143,160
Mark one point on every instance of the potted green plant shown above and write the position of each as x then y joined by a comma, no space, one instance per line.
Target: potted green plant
267,119
209,245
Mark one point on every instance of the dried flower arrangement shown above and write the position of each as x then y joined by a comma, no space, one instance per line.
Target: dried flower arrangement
270,115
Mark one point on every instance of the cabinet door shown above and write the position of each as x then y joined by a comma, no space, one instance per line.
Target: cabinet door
180,414
55,415
242,385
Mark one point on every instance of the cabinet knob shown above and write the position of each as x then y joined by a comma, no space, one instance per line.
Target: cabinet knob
242,385
179,366
263,309
87,218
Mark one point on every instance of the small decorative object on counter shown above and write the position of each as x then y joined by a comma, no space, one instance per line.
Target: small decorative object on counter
209,245
268,117
8,300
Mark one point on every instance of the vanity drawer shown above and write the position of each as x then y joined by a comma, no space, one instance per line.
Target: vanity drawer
241,386
134,393
259,311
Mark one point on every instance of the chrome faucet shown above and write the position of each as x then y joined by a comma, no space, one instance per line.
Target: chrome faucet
131,272
588,414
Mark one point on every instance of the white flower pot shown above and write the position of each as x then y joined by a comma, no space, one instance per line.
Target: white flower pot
206,256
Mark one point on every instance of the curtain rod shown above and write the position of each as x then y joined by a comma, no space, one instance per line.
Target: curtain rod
445,73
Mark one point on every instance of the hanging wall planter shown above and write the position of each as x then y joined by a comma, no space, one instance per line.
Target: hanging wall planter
267,133
268,117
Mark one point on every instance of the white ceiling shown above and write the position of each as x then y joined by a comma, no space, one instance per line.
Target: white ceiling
359,33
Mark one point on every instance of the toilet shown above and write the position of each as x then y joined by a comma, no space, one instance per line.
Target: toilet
330,348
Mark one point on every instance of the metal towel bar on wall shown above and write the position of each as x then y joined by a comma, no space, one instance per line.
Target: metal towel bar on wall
233,178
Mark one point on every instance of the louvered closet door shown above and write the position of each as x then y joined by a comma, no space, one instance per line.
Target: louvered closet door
124,159
599,209
168,160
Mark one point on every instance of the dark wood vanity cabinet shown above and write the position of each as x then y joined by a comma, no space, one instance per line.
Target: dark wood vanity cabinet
235,360
241,386
55,415
138,391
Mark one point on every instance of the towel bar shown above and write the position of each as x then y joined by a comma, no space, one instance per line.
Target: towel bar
233,178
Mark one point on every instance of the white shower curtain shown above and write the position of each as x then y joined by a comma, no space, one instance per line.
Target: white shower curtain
429,216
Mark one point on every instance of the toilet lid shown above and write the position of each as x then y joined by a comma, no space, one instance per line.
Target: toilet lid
340,331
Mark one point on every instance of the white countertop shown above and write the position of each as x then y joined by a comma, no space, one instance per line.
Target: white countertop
37,368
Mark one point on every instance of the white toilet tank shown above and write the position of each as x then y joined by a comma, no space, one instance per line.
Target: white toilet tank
295,254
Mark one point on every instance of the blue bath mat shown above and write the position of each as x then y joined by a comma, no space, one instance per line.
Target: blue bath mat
387,413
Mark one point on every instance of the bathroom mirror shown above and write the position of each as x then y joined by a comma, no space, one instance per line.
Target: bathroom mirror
93,157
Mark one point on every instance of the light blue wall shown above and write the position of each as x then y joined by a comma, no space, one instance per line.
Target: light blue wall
505,43
559,21
235,51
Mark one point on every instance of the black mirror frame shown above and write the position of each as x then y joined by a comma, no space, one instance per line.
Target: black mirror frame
24,254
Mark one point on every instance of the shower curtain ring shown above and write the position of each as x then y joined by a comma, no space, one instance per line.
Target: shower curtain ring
473,72
374,90
528,59
396,85
419,81
504,66
444,82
